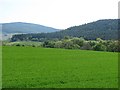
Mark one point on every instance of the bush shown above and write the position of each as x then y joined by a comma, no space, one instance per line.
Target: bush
99,47
113,46
23,45
78,41
86,46
67,44
58,44
48,44
18,44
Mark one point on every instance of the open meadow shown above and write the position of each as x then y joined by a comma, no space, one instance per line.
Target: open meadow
35,67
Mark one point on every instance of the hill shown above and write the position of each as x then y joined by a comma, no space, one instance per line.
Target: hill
20,27
9,29
105,29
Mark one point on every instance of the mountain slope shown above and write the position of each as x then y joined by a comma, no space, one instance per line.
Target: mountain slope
9,29
105,29
19,27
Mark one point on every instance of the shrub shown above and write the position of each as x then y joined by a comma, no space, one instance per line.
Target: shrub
18,44
99,47
86,46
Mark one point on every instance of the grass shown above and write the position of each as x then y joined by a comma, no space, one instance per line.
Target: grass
29,67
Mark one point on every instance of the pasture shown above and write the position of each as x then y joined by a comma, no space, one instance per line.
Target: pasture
34,67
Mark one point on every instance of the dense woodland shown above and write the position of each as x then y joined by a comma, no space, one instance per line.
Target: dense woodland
104,29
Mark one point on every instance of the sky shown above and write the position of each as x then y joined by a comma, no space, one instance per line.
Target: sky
59,14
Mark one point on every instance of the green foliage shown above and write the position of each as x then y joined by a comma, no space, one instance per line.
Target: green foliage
99,47
78,41
58,44
74,43
67,37
113,46
23,43
28,67
17,44
68,44
86,46
92,43
48,44
105,29
81,43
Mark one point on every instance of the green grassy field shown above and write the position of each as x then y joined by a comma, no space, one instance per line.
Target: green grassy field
32,67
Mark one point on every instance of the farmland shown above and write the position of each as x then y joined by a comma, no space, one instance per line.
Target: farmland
35,67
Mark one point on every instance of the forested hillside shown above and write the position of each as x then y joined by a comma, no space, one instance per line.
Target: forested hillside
104,29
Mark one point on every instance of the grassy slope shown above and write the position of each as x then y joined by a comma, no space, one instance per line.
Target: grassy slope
44,67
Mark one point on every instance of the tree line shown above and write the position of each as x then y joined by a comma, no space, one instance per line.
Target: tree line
79,43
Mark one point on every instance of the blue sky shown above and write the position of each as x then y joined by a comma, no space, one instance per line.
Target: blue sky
59,14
